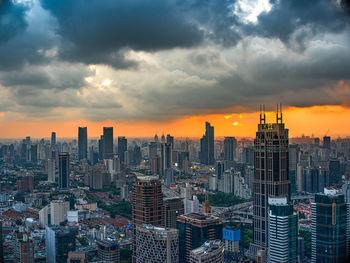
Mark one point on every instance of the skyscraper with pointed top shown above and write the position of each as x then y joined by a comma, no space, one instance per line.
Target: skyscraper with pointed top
206,154
270,174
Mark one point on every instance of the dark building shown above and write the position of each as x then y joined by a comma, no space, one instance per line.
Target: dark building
82,143
63,170
220,169
194,230
166,158
108,251
34,153
23,248
122,148
155,166
101,149
170,140
330,228
137,155
53,139
230,145
173,207
59,242
301,249
152,150
334,172
293,154
1,245
327,142
77,257
270,175
206,154
248,155
182,156
26,184
108,142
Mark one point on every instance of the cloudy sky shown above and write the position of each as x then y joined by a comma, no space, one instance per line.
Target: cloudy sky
147,66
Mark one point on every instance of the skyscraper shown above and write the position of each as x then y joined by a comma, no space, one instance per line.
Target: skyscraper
34,153
156,244
166,160
270,175
59,241
1,245
23,248
108,251
194,230
230,145
293,153
334,172
174,207
210,251
206,154
122,148
101,148
170,140
51,170
53,139
82,143
63,170
330,227
282,229
327,142
108,142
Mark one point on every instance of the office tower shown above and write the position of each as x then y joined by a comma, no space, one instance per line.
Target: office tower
220,169
101,148
51,170
122,147
97,176
23,248
1,245
194,230
191,203
301,249
156,139
282,229
293,154
147,203
45,216
82,143
310,182
166,158
53,139
116,164
59,241
169,177
173,207
231,237
63,170
213,182
108,251
334,172
155,165
230,145
162,139
26,184
270,175
248,155
206,209
58,211
156,244
327,142
210,251
330,227
152,150
206,154
124,192
34,153
77,257
170,141
137,155
182,157
108,142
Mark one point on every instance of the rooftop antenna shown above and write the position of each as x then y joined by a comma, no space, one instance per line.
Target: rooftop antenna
279,113
262,114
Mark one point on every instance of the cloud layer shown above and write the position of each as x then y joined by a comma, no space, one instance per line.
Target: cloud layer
161,60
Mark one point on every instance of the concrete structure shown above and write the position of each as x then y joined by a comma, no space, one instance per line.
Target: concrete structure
82,143
51,170
108,251
173,208
58,211
231,237
209,252
108,142
77,257
156,244
23,248
63,170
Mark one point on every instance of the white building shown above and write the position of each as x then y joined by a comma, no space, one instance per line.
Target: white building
51,170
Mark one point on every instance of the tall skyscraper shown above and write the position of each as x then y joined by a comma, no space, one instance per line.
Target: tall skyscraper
1,245
293,154
108,142
51,170
170,140
283,224
156,244
206,154
230,145
270,175
24,248
334,172
82,143
122,148
194,230
174,207
34,153
327,142
330,227
101,148
59,241
53,139
63,170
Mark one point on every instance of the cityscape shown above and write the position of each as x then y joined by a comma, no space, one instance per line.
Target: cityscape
170,131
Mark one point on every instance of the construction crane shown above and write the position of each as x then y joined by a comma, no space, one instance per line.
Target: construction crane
326,133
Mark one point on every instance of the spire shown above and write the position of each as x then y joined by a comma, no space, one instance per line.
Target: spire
262,114
279,113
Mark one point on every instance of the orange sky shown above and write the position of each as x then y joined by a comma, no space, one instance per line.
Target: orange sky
312,120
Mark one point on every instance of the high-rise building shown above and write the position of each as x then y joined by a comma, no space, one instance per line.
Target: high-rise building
34,153
194,230
156,244
231,237
58,211
51,170
173,207
330,227
166,158
210,251
152,150
108,142
293,154
206,154
108,251
170,141
101,149
327,142
230,145
1,245
334,172
137,155
282,229
23,248
301,249
122,147
59,241
63,170
155,165
26,184
53,139
82,143
77,257
270,175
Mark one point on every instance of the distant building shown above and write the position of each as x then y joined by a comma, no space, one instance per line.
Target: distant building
156,244
194,230
231,238
77,257
26,184
51,170
122,148
173,207
59,242
282,229
230,145
206,154
63,170
293,153
108,251
330,227
58,211
1,245
34,153
108,142
53,139
327,142
334,172
82,143
23,248
210,251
